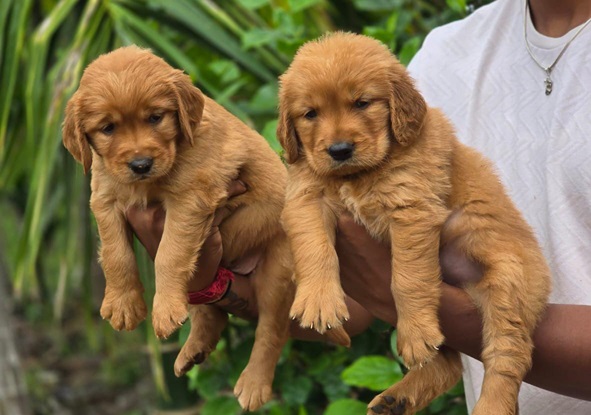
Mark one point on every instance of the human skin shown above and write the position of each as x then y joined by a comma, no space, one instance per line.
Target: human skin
555,18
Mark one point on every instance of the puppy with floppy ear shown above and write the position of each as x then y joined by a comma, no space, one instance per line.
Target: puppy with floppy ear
149,135
359,137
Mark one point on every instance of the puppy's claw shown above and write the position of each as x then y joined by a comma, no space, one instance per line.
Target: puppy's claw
328,326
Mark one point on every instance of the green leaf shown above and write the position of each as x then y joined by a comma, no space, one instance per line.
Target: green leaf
265,99
296,391
393,344
253,4
210,380
226,71
332,384
299,5
258,37
226,405
346,407
373,372
270,134
458,6
377,5
409,49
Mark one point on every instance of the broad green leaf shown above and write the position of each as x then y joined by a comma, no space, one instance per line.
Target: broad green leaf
409,49
258,37
265,99
222,405
227,71
373,372
459,6
270,134
346,407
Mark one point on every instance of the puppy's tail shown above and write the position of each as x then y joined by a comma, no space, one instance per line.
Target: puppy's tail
338,336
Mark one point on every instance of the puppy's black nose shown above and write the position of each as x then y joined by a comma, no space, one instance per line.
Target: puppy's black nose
341,151
141,165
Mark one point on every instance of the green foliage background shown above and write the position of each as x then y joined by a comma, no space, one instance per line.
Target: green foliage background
233,50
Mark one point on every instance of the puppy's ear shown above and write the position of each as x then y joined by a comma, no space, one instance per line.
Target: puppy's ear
407,106
190,102
286,133
73,137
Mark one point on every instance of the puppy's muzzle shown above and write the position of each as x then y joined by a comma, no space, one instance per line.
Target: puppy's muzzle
141,165
341,151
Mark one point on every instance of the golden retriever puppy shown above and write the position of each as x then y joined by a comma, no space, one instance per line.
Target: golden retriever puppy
150,135
359,137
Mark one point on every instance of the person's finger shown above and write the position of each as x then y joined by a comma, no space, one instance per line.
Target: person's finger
237,187
220,215
209,261
148,225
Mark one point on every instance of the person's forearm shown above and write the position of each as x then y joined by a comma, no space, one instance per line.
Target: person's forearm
562,354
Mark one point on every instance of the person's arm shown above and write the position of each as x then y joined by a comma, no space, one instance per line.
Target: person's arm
562,354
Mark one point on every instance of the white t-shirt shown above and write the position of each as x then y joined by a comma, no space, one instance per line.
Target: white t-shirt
479,73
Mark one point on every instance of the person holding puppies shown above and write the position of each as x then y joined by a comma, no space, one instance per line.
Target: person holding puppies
534,124
513,88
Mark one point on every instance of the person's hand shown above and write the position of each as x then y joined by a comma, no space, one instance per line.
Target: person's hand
148,225
366,271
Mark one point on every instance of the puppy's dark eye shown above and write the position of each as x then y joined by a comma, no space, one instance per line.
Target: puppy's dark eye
311,114
361,104
155,118
108,129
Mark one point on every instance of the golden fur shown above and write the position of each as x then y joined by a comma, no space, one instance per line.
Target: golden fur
406,175
132,104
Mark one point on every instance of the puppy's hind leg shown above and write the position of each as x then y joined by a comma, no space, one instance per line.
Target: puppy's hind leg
275,293
507,339
207,324
419,386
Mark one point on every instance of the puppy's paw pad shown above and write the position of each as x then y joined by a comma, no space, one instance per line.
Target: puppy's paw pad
125,310
385,404
418,347
252,390
321,311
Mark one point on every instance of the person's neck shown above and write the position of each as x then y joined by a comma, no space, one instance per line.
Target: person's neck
554,18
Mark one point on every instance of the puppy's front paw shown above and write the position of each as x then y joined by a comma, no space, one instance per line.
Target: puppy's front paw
168,314
253,389
418,344
320,310
124,309
390,404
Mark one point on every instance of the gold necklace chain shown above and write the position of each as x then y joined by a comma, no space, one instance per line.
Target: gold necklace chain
548,69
